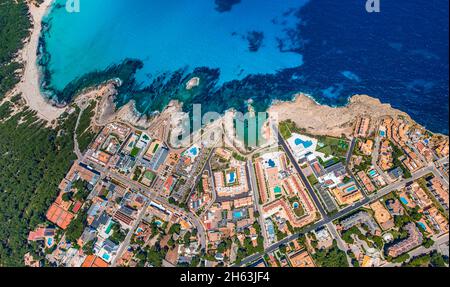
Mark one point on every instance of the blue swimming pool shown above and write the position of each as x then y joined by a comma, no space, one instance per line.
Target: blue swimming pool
277,190
49,241
404,200
296,205
238,214
372,173
422,226
232,177
271,163
106,256
350,189
194,151
306,144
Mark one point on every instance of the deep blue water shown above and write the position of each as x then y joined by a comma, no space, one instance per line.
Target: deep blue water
259,49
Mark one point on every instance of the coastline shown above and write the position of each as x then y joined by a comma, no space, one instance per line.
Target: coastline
303,109
29,84
321,119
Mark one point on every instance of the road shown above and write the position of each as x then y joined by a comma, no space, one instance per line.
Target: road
350,151
375,156
150,195
439,173
254,188
303,177
124,245
347,211
76,147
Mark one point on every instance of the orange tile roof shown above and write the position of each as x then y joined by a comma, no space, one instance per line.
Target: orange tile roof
59,216
93,261
38,234
88,261
100,263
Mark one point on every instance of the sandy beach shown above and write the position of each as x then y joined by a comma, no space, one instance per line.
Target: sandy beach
29,84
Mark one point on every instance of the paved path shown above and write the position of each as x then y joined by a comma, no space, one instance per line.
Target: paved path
347,211
375,156
124,245
340,243
303,177
76,147
258,206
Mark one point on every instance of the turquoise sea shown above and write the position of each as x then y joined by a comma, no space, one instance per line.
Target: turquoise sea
253,49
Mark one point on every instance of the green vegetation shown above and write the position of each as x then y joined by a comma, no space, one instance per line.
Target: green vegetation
34,161
299,211
85,135
76,227
333,146
312,180
400,259
332,257
366,162
137,173
88,248
248,248
82,190
288,127
14,27
134,152
401,220
397,153
347,235
155,255
118,235
238,157
175,228
432,259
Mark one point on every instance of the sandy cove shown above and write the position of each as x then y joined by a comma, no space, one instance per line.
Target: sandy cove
303,110
29,84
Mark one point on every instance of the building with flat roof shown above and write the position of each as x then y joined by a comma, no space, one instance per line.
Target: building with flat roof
414,239
359,218
382,215
301,259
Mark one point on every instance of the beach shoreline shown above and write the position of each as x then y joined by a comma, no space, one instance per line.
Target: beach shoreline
303,109
29,85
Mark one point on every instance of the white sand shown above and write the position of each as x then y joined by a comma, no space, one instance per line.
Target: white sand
29,85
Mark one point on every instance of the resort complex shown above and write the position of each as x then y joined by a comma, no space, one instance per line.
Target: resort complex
179,134
132,200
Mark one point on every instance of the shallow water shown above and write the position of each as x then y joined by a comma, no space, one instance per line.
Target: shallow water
261,50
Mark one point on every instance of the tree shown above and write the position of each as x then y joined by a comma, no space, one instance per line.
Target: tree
76,227
175,228
427,243
332,257
67,196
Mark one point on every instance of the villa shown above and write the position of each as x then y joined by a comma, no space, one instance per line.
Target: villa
382,215
301,259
